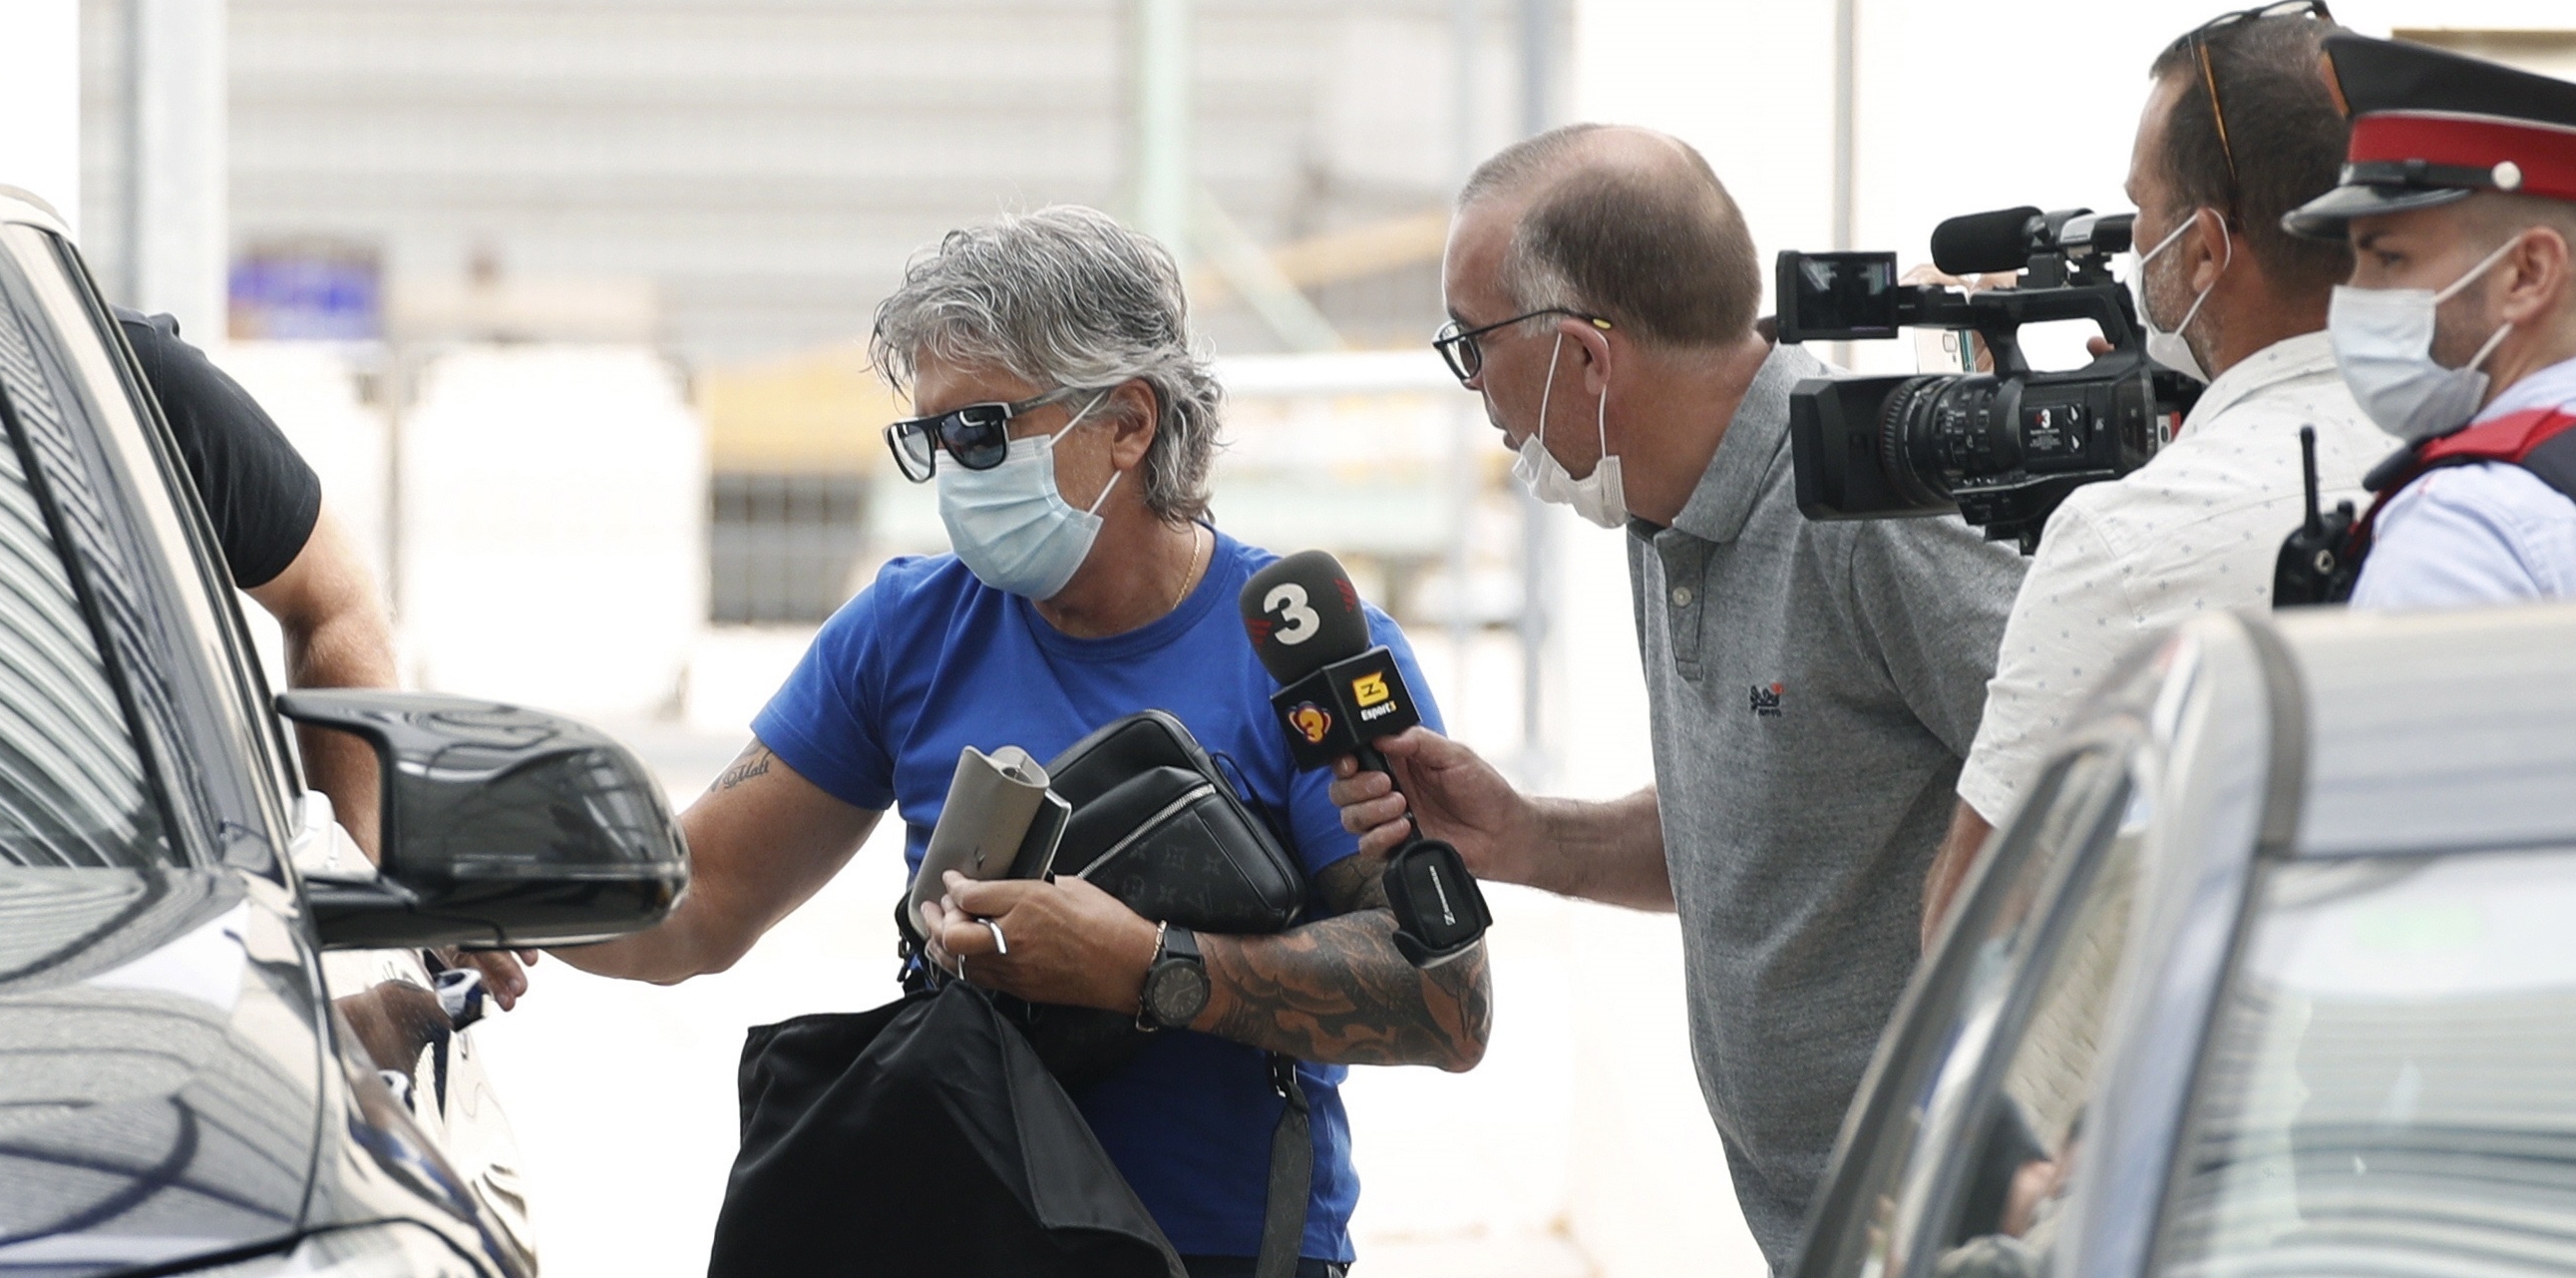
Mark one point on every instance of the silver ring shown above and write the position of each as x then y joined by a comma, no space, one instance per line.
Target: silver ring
961,967
1000,946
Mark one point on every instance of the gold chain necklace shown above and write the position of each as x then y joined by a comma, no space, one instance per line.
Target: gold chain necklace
1189,574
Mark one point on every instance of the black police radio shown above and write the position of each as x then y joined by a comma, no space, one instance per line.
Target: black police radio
1339,693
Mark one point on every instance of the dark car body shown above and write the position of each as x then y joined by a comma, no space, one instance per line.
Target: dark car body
181,1087
2274,972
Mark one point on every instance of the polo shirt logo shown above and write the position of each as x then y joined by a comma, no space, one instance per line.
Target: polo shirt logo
1766,701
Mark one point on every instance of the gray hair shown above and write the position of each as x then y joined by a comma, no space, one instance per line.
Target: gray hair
1065,296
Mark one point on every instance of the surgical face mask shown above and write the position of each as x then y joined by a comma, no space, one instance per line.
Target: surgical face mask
1010,524
2383,342
1598,496
2166,346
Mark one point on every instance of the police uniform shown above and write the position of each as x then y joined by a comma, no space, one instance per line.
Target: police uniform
2480,508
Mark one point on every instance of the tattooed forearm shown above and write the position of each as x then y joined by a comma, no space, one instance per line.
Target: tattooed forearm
752,762
1338,992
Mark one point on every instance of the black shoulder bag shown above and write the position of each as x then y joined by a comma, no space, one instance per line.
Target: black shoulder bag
1158,825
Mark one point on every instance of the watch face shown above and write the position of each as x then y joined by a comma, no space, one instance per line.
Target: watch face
1180,993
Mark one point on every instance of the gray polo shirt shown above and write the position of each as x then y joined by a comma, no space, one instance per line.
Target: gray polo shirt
1814,688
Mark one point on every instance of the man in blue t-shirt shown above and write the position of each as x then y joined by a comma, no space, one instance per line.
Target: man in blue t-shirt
1069,425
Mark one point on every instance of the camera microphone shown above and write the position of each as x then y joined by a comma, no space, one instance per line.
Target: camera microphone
1340,692
1975,243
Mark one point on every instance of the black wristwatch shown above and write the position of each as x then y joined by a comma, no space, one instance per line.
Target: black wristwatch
1176,986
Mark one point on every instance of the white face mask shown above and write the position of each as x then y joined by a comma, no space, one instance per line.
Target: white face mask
2166,346
2383,342
1597,496
1011,524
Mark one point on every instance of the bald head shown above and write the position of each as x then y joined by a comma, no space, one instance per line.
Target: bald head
1625,223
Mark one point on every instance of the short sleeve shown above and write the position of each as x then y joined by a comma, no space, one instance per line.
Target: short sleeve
257,490
1933,596
2069,626
1314,822
2464,536
826,721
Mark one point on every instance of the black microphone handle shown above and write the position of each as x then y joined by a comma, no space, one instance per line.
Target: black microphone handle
1371,760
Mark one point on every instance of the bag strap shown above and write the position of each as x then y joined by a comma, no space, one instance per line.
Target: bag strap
1292,1176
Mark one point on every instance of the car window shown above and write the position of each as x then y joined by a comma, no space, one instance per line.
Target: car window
1893,1203
2006,1196
73,789
2391,1075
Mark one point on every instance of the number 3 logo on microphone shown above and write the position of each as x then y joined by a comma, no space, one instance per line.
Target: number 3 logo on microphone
1288,599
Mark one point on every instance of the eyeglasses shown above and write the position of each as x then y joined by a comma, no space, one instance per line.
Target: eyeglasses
2199,39
1466,358
978,436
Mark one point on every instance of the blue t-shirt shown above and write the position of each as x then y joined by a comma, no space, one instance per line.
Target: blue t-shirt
928,661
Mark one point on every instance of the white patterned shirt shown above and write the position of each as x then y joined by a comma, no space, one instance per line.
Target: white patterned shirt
2197,529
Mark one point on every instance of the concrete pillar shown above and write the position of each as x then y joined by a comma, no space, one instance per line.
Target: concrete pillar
177,239
1164,188
40,99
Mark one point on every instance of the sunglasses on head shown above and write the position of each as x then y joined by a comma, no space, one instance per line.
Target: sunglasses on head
977,436
2199,39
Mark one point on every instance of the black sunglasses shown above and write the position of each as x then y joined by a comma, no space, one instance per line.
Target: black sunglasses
1466,358
977,435
2199,40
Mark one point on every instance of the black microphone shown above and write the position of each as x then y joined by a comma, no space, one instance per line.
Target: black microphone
1340,692
1975,243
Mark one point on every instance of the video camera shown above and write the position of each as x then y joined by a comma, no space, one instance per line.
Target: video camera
2002,448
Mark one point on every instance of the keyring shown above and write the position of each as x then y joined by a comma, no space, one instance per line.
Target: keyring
994,926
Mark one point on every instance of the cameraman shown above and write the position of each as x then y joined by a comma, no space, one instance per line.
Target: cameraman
1603,287
2239,128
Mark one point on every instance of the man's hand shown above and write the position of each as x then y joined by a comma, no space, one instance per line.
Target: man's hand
503,976
1458,797
1067,941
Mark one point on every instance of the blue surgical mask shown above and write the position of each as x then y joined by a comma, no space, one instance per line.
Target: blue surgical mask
2383,344
1011,525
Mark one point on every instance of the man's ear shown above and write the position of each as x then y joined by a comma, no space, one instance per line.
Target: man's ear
1137,412
1592,344
2211,248
2540,287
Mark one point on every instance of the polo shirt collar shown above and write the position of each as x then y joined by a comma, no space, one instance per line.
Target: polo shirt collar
1740,470
2289,359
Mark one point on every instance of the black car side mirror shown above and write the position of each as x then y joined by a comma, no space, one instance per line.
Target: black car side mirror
500,826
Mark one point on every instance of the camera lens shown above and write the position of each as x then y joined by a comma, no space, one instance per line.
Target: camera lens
1937,430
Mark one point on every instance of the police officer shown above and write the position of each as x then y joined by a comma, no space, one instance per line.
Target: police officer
2457,332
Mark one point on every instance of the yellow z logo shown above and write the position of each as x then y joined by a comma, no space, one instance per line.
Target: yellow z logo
1370,689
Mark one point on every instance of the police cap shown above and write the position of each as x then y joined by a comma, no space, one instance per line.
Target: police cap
2430,127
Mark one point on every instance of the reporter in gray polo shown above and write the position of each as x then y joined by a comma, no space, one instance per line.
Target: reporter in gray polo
1813,686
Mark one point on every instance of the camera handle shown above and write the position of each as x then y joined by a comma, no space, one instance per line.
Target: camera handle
2107,305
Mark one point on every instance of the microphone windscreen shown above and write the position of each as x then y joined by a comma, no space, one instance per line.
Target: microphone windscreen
1303,614
1975,243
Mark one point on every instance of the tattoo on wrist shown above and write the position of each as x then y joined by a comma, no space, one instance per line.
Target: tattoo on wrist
752,762
1337,990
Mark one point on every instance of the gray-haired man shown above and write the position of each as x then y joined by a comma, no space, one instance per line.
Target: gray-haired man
1812,686
1069,423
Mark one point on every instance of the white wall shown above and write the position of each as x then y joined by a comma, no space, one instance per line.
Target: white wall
40,101
552,544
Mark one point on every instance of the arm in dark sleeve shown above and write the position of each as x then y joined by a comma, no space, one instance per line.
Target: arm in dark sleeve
257,490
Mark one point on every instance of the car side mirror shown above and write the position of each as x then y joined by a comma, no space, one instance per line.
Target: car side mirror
500,826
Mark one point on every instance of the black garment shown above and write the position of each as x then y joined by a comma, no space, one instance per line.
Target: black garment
1245,1266
257,490
923,1137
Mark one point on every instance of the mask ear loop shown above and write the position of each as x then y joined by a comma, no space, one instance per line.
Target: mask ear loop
2463,282
1549,389
1115,474
2229,242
